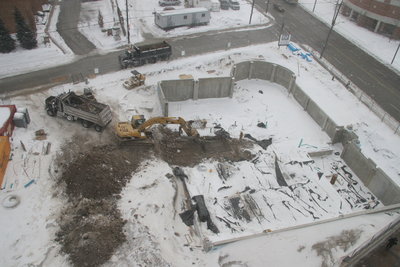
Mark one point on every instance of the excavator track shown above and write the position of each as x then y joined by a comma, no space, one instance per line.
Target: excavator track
135,142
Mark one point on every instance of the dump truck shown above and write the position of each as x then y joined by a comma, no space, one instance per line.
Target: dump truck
137,128
140,55
137,79
83,108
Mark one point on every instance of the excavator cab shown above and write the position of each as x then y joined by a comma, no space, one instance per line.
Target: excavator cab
137,120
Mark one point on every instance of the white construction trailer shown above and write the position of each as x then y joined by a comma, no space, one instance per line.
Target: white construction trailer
170,19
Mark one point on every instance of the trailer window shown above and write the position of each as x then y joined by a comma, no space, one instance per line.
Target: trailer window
184,17
203,15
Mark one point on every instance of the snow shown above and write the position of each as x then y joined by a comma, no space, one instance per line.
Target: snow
5,113
146,202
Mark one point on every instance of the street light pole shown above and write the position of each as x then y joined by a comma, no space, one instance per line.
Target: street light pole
251,13
315,3
397,50
266,10
330,30
127,21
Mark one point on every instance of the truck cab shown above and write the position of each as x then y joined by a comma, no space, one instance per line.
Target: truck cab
234,4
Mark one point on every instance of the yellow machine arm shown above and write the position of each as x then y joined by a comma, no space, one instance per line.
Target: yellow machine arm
136,129
169,120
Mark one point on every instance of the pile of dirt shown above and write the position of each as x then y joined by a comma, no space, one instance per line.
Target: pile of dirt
91,227
90,231
99,173
190,151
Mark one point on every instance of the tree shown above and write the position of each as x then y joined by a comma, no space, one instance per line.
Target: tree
25,36
7,43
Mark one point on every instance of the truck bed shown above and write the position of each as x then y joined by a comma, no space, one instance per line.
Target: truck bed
86,109
155,46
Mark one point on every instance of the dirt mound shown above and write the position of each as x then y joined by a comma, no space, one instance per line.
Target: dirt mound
90,231
91,227
189,151
100,173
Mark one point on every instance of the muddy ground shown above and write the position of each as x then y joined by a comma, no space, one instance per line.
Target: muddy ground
92,177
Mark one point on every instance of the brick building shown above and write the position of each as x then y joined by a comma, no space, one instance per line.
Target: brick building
28,9
381,16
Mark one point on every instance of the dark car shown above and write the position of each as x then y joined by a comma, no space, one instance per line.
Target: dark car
279,8
224,4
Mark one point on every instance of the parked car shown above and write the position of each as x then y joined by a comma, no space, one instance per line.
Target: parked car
234,4
279,7
224,4
169,2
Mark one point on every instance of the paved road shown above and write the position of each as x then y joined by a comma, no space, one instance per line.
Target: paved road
363,70
67,27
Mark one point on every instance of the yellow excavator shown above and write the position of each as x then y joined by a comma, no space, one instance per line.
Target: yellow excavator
138,127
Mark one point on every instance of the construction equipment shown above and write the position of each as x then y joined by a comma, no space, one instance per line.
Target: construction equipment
140,55
138,127
79,107
137,79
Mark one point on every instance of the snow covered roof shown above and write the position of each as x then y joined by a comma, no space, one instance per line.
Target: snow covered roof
5,114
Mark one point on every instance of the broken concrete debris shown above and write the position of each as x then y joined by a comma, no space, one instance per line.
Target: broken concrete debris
262,125
265,143
223,171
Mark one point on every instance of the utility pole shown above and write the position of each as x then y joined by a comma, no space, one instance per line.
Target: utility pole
330,30
127,21
251,13
267,4
315,3
397,50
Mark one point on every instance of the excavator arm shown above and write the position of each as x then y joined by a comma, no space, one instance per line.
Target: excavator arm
130,130
185,126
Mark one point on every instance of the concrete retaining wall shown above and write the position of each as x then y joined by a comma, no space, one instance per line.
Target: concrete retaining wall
261,70
374,178
181,90
163,100
215,87
178,90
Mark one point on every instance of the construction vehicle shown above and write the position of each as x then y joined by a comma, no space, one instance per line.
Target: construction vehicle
138,127
137,79
82,108
140,55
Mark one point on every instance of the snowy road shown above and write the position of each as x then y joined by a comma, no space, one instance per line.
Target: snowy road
67,27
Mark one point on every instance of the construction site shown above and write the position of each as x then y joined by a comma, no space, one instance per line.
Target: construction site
184,159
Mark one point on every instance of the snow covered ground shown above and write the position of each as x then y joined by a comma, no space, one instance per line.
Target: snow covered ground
146,200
